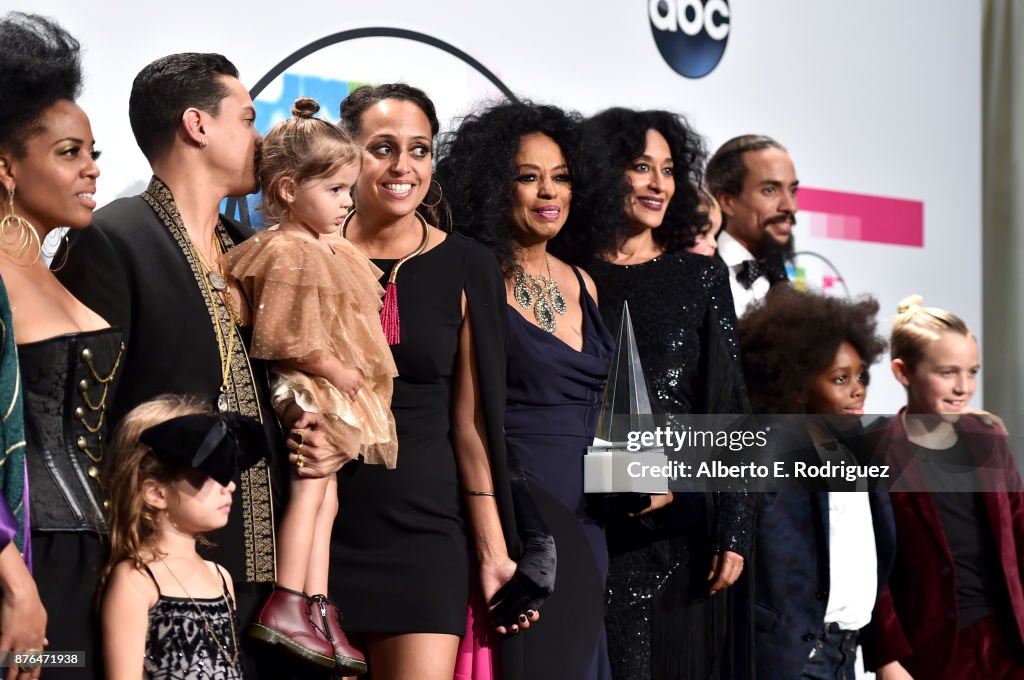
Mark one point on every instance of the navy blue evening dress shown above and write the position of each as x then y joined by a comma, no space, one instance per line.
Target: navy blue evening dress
553,400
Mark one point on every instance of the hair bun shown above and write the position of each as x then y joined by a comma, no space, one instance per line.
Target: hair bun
909,303
305,107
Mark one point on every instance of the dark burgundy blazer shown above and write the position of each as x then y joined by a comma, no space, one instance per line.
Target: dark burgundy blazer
916,618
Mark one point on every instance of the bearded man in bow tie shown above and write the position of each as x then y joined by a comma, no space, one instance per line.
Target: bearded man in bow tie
754,181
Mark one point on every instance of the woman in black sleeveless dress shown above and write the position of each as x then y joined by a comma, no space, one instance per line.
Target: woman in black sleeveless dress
408,543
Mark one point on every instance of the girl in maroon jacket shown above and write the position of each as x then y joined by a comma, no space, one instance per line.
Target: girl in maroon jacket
954,606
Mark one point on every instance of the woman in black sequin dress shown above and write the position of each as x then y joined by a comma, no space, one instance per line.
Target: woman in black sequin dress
661,618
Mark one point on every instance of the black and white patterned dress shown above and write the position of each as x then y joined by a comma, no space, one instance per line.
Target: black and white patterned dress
180,647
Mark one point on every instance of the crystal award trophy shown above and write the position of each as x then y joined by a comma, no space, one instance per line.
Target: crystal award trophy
616,462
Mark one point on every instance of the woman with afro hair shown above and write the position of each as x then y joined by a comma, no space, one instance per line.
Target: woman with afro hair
68,354
662,619
824,550
513,176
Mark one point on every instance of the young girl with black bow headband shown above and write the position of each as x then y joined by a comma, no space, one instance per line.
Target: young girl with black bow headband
165,610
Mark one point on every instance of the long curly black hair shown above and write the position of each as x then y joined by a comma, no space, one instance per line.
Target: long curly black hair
476,168
623,135
40,64
790,337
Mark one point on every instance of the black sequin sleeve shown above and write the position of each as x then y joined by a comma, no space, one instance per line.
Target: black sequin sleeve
734,530
725,392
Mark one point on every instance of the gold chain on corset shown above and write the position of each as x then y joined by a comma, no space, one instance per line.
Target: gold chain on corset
99,408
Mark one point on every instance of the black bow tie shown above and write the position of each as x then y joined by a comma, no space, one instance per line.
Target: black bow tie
771,267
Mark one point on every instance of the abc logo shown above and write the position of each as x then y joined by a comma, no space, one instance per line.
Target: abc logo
690,34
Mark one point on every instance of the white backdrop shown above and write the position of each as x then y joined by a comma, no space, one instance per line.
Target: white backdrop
872,97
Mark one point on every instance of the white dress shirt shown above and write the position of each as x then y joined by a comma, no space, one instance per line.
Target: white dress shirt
852,557
852,560
733,254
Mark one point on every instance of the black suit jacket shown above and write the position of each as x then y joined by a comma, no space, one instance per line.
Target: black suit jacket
128,268
792,565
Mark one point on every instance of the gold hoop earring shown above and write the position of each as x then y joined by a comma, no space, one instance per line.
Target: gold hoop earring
440,195
18,239
65,243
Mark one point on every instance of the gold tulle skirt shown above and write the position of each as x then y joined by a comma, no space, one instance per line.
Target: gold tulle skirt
364,427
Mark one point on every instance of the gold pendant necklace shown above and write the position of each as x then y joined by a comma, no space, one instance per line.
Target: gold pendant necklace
389,320
224,348
541,294
232,659
217,279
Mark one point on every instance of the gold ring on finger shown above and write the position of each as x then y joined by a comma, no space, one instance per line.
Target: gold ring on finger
33,663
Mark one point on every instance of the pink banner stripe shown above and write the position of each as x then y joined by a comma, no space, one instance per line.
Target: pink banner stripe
859,217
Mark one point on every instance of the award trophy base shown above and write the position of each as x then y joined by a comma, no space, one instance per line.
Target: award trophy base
612,468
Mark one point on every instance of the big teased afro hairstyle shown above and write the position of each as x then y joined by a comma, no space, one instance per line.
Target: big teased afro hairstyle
477,171
623,134
790,337
40,65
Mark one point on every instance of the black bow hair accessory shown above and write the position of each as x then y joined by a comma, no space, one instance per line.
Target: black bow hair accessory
218,445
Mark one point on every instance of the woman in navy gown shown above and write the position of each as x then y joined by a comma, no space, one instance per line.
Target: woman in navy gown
510,175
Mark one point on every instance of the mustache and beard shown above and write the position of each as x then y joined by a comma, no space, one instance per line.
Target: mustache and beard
768,246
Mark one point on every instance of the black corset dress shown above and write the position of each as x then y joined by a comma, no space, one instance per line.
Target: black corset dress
67,383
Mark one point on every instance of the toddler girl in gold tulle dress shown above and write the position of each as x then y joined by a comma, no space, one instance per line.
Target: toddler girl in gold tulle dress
315,305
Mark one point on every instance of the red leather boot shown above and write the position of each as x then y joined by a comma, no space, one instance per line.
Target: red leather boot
296,622
349,659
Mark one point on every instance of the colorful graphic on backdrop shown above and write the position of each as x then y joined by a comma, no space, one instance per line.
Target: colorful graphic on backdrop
859,217
840,215
808,270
